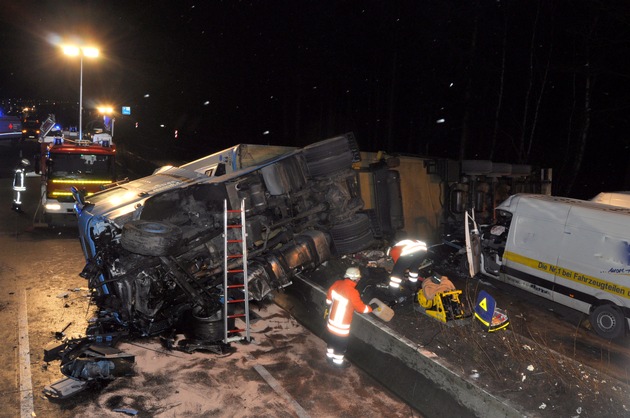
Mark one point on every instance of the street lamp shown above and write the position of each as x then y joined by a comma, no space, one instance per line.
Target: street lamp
89,52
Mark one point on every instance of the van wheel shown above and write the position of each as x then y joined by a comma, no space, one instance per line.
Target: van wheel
150,238
608,321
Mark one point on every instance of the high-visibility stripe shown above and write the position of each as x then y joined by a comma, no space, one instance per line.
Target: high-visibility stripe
570,275
411,246
338,331
337,314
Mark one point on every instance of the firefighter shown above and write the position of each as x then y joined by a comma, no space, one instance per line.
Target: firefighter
343,299
19,185
408,256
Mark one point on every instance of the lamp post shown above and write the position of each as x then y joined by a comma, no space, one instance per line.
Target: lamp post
89,52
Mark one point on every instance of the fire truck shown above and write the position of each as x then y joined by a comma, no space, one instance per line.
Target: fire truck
66,161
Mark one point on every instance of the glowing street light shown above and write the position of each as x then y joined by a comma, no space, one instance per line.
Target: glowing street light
89,52
106,111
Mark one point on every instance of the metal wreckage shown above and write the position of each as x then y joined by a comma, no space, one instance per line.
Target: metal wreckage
164,255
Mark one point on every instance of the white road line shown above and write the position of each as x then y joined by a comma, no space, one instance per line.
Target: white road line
26,385
277,387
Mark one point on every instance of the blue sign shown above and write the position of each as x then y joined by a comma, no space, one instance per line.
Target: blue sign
126,110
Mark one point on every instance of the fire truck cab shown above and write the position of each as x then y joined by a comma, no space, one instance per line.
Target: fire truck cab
87,165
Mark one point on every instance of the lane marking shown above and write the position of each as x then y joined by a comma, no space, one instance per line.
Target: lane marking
275,385
26,384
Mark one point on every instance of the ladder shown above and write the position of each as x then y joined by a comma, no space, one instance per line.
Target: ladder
235,233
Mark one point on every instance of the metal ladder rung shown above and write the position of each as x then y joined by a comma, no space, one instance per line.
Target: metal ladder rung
235,286
233,257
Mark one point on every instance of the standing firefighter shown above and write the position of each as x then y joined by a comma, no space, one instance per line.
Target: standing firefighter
19,185
407,254
343,299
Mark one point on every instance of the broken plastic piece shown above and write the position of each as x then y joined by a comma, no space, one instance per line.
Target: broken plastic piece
65,388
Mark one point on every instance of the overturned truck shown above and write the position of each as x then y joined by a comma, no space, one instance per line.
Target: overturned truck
155,246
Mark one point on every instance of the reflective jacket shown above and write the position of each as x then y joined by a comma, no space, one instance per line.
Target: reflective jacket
407,254
406,247
345,299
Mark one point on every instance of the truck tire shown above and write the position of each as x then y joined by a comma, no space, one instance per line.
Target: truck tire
352,236
150,238
326,148
328,156
608,321
359,223
328,165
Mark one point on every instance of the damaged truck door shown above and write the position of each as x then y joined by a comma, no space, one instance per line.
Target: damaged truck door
574,252
154,246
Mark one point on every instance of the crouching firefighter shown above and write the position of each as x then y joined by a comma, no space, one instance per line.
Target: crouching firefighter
343,299
407,254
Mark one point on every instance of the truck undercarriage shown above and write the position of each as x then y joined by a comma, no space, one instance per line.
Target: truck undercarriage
160,268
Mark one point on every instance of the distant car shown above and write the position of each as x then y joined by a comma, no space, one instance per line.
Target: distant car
30,130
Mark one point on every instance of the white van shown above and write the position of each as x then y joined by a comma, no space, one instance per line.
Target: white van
574,252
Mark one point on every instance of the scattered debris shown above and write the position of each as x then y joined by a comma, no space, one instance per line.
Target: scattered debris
85,361
128,411
60,334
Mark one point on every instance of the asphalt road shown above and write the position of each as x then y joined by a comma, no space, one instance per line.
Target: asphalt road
282,373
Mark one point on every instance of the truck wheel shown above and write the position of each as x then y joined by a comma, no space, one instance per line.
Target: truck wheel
150,238
356,226
328,156
328,165
608,321
352,236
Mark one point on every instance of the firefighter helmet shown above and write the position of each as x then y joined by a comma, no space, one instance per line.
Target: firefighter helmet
353,273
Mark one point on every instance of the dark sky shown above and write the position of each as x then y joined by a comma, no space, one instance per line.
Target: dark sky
519,81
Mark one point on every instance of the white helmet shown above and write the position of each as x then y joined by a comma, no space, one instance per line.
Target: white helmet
353,273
